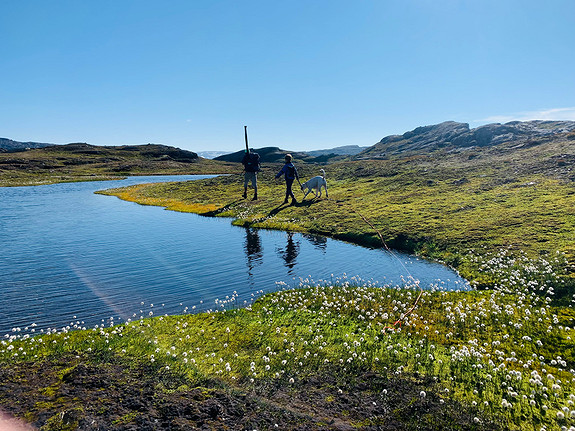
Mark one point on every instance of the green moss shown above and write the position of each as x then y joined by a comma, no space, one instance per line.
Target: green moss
50,391
126,419
66,420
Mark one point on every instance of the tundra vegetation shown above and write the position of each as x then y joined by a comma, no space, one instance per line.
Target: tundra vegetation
345,353
84,162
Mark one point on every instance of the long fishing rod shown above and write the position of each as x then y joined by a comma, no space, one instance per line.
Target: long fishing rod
408,312
246,135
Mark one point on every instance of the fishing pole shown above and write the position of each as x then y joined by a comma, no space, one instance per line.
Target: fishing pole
408,312
246,135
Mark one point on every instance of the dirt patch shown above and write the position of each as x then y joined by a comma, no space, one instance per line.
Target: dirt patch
74,394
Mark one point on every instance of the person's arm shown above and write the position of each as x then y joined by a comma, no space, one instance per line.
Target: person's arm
279,174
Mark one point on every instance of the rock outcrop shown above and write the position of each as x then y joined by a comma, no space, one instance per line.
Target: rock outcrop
451,135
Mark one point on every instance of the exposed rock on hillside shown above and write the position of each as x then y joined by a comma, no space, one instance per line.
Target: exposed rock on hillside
345,150
452,135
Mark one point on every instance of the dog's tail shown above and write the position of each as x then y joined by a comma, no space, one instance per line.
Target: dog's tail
322,173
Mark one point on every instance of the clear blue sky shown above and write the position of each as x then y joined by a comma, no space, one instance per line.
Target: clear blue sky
302,75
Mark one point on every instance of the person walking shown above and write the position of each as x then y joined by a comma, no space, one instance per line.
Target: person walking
290,173
251,162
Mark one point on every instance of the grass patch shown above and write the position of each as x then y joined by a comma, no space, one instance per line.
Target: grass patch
419,210
498,359
347,354
81,162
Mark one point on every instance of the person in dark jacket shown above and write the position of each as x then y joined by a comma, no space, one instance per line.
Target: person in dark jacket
290,173
251,162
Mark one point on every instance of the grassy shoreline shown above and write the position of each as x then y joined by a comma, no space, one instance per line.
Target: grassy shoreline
346,355
82,162
317,357
431,215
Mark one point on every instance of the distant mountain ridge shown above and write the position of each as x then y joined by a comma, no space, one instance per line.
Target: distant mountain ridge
453,135
446,136
8,145
345,150
276,154
211,154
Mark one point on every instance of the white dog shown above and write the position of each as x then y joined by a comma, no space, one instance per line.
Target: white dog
315,184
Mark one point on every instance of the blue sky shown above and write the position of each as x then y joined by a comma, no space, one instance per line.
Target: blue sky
302,75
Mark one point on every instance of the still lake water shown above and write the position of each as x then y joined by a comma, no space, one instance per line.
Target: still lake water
70,255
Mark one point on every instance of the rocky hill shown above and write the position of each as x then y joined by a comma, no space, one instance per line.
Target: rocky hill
81,162
267,155
276,155
451,135
149,151
8,145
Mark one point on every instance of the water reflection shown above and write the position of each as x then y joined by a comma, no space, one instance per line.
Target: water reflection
319,242
108,256
253,249
290,252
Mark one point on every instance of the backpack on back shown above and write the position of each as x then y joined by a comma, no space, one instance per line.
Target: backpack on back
252,162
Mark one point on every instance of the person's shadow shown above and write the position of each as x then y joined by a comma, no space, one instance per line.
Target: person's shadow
225,208
271,214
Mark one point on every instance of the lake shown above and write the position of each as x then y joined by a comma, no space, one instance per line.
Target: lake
71,257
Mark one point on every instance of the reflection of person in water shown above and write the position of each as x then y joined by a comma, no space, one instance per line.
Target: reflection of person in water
253,249
319,242
289,254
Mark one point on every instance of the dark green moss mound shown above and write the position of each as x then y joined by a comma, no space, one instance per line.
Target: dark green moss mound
74,394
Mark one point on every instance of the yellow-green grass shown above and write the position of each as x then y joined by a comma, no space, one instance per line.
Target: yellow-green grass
62,164
506,353
430,213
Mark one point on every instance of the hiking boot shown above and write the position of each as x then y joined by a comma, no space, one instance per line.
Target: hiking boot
293,202
245,195
286,201
255,198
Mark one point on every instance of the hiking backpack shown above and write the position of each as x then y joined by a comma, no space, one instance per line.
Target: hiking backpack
252,162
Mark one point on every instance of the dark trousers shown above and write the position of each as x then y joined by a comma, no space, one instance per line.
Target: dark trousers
289,192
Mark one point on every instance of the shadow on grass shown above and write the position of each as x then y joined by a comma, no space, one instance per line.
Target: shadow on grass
305,204
275,211
272,213
222,209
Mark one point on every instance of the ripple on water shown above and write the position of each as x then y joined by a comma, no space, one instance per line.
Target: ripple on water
69,252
